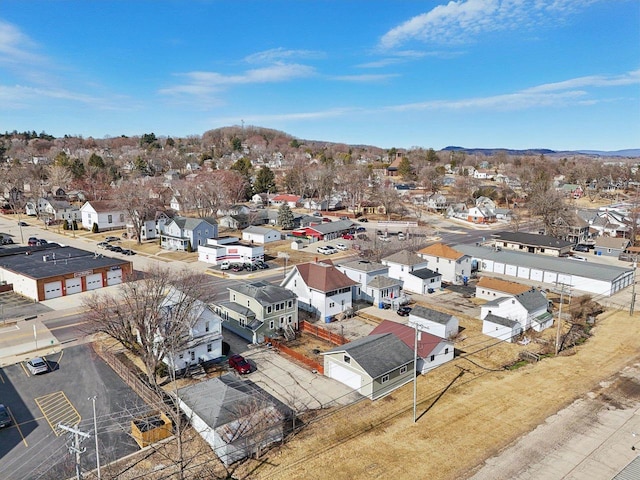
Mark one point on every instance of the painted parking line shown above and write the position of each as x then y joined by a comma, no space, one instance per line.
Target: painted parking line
57,409
17,425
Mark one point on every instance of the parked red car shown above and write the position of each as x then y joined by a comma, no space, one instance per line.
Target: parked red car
347,236
239,364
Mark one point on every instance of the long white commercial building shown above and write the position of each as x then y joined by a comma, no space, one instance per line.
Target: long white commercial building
588,277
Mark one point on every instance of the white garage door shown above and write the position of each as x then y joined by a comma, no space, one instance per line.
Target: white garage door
550,277
94,281
52,290
498,268
344,375
511,270
523,272
536,275
114,277
73,285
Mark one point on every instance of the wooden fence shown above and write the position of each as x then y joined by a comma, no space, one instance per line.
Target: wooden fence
146,393
297,356
323,333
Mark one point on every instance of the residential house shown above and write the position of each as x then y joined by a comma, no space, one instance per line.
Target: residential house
230,249
437,202
262,235
57,210
364,272
454,266
108,215
237,209
458,210
481,215
422,281
237,419
571,190
235,222
610,246
374,365
286,199
532,243
203,342
185,233
573,229
440,324
321,288
401,264
316,204
259,309
530,309
432,351
489,288
501,328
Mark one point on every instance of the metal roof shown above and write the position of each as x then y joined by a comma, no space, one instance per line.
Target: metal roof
532,239
596,271
263,292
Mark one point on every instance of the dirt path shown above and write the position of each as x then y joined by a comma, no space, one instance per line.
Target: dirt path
467,413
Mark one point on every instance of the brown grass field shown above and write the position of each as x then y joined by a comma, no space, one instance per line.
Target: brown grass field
467,412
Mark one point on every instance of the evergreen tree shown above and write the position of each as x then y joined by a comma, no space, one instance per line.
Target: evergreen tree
265,181
285,217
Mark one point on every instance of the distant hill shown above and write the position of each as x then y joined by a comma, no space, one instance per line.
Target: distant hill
630,153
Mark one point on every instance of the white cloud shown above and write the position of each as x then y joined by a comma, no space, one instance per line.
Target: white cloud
629,78
205,84
460,20
280,54
285,117
21,96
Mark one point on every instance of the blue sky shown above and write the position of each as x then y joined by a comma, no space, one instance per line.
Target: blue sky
559,74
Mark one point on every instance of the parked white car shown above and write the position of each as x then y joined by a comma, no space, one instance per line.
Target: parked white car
328,250
341,246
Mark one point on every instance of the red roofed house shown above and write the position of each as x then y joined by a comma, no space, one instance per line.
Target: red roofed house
432,350
321,288
284,199
454,266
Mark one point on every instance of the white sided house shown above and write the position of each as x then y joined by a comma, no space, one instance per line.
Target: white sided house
203,342
321,288
231,250
261,235
440,324
432,350
106,214
529,309
402,263
364,272
489,288
454,265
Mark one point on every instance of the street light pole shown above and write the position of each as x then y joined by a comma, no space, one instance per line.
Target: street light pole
95,433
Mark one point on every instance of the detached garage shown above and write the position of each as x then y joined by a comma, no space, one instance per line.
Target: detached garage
44,273
591,277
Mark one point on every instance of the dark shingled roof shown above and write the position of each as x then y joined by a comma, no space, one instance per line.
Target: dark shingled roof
532,239
265,293
377,354
505,322
429,314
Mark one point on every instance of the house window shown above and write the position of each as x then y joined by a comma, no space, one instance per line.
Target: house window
122,218
234,297
346,359
109,218
432,358
181,356
277,307
207,326
281,321
403,370
209,347
242,321
446,350
289,318
290,304
332,304
193,356
271,325
384,379
269,309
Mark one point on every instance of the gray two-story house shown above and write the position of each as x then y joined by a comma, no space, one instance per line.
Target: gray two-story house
184,233
259,309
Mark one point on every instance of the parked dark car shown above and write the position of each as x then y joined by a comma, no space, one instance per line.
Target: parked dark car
7,241
5,419
581,248
239,364
111,239
33,241
236,267
117,249
404,311
127,251
23,224
363,220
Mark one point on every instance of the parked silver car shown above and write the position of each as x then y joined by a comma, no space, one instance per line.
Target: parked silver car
37,365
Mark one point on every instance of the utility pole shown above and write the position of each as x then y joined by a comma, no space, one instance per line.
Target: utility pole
633,286
95,434
415,373
75,448
559,320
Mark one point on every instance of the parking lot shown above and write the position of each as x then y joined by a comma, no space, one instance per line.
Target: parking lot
34,445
